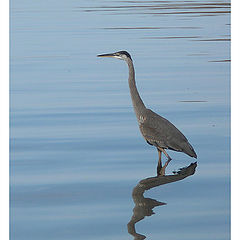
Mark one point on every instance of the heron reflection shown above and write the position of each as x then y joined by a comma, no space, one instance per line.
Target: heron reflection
144,206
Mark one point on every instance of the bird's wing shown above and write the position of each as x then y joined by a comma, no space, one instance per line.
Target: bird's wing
159,131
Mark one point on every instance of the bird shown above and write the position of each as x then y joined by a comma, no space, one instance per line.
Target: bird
156,130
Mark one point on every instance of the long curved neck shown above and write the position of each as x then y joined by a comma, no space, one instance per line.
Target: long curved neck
138,104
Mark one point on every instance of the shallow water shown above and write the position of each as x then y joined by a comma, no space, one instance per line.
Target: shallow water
76,151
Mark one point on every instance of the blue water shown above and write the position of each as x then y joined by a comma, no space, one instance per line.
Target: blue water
76,150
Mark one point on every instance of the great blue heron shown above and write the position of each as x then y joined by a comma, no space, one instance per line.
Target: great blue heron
156,130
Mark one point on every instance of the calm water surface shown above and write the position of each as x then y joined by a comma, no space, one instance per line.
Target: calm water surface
77,156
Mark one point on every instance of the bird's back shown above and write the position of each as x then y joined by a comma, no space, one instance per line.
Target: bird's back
159,132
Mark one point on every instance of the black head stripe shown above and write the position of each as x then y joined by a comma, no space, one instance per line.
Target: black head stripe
125,53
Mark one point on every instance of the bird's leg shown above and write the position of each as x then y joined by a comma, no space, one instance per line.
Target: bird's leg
162,171
168,157
159,166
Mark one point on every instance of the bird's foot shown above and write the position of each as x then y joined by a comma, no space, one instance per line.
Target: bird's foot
161,170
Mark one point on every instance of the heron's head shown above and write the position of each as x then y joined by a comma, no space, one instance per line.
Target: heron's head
123,55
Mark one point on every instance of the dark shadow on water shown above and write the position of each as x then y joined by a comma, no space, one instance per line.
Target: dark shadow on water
144,206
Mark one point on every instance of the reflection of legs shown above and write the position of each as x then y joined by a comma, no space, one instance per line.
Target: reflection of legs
159,166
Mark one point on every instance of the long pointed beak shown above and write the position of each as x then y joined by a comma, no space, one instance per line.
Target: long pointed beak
106,55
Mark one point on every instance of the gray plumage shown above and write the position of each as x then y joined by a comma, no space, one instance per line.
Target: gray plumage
156,130
159,132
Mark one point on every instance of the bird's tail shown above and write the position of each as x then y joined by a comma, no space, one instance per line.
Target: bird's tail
188,149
